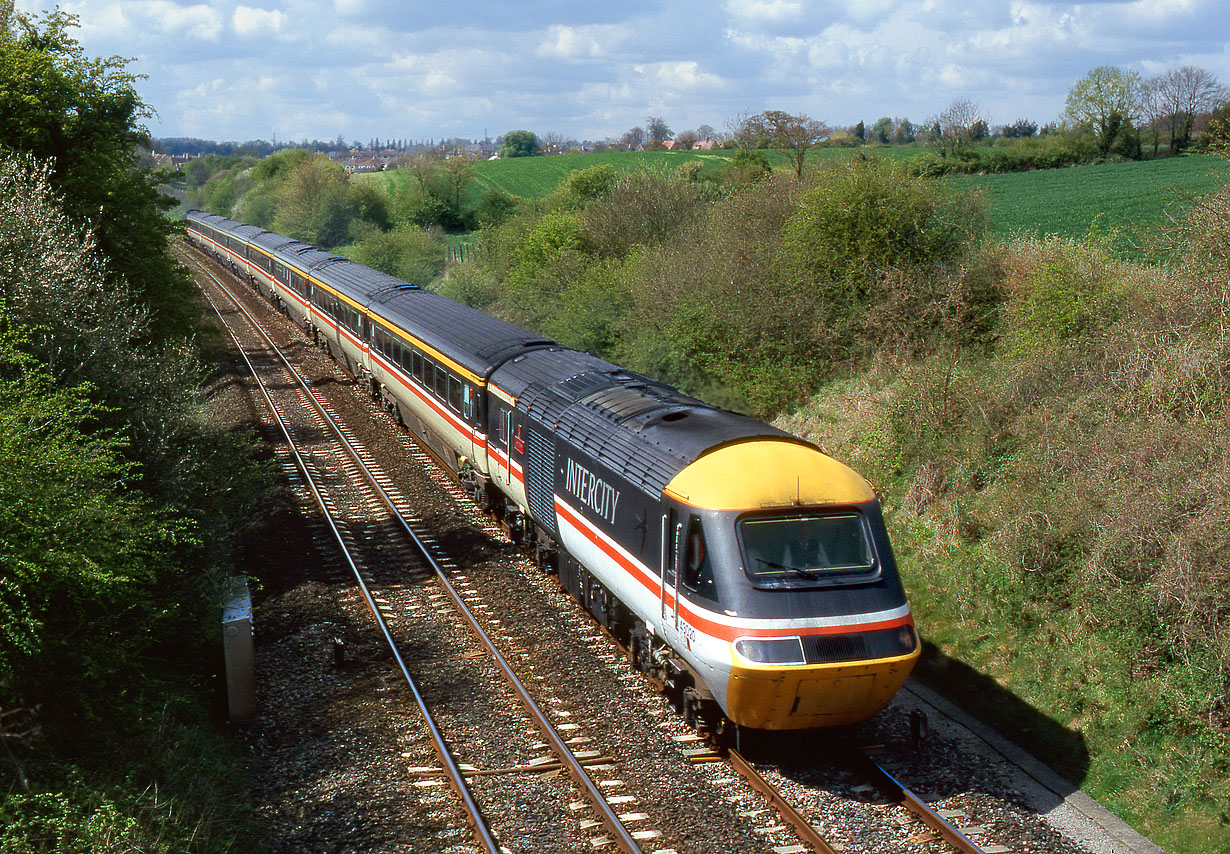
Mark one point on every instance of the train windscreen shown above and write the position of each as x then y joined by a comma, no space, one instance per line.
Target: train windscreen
794,550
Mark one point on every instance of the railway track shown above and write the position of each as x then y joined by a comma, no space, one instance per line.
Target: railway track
389,599
404,600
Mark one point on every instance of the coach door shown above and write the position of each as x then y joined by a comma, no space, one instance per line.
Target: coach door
500,437
672,534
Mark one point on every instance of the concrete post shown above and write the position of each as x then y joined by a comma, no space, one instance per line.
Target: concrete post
237,648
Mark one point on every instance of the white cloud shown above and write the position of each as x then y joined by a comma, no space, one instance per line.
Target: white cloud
677,76
586,42
251,22
194,22
765,11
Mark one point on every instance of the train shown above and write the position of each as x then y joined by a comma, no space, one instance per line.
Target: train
747,570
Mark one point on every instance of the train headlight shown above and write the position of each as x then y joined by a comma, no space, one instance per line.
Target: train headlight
771,650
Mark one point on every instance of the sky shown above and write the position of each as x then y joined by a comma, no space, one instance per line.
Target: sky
317,69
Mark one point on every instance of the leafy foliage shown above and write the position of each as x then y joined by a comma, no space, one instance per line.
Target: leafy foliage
407,252
112,483
519,143
82,115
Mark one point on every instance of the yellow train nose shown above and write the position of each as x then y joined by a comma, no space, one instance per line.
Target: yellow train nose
814,695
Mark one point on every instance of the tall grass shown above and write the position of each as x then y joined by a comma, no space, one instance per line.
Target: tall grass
1061,508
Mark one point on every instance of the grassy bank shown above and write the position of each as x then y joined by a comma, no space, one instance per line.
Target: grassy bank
1061,510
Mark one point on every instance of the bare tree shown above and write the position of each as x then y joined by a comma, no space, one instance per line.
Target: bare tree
958,127
458,173
794,134
706,132
552,143
684,140
421,164
659,131
742,131
1176,98
634,138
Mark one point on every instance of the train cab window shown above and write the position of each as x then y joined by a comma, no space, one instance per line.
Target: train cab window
454,394
802,550
697,567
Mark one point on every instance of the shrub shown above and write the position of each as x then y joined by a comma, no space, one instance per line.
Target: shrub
495,208
592,182
407,252
1062,288
643,209
868,232
419,208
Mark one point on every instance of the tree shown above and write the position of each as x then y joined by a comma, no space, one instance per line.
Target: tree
794,134
315,204
686,139
743,132
706,132
84,115
1176,98
905,132
633,139
1019,129
519,143
457,175
1105,99
958,127
658,131
882,130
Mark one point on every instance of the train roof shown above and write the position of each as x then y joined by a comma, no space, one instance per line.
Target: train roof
475,340
471,338
641,428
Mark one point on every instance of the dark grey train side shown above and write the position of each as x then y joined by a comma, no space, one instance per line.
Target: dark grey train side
743,566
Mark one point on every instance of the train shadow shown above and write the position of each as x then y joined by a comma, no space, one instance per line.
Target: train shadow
951,731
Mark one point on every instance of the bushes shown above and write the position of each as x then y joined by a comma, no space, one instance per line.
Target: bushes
1063,288
754,295
111,486
1052,151
407,252
1074,473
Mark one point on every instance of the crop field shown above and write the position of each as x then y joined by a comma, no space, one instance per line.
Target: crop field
1127,200
535,177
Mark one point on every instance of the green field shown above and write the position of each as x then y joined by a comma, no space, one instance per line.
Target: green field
535,177
1129,198
1126,200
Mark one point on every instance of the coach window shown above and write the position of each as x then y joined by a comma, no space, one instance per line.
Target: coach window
441,383
454,394
416,365
407,358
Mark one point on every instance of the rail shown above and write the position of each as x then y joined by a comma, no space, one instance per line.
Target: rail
621,836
